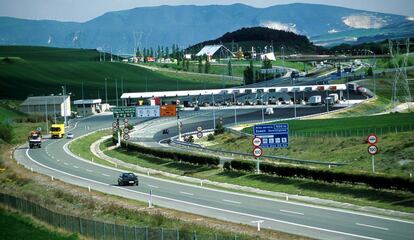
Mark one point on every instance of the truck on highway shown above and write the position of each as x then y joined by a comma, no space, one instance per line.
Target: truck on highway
335,97
315,100
35,139
57,130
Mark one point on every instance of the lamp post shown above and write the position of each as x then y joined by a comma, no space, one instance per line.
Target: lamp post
64,104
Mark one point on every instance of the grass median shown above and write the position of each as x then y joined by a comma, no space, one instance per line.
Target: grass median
358,195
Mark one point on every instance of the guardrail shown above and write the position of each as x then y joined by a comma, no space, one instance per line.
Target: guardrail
233,153
102,230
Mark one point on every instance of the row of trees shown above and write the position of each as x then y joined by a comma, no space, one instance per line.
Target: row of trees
160,52
252,75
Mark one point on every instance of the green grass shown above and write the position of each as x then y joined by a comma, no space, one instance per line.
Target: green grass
15,226
358,195
42,71
362,123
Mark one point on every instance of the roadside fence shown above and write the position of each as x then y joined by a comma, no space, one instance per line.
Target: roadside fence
102,230
355,132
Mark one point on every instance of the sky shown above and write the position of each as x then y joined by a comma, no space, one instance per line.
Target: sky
84,10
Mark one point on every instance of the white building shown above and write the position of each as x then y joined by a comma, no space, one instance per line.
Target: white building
58,106
86,107
213,51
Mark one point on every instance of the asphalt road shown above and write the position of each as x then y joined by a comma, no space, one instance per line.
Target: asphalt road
53,159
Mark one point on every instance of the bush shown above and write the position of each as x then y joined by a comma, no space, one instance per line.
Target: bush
227,166
210,137
219,129
328,176
243,165
6,133
177,156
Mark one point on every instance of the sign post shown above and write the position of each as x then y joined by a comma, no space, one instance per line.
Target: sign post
372,149
269,136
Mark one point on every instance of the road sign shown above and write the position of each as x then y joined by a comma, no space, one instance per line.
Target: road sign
124,112
199,134
199,128
372,139
257,152
126,120
114,125
148,111
372,149
126,136
257,141
273,135
126,130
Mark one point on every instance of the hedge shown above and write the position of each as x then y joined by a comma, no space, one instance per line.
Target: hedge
177,156
328,176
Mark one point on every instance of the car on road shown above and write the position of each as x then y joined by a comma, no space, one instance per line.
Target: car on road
70,136
165,131
127,179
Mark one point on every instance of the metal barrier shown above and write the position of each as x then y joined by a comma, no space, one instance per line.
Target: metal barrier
102,230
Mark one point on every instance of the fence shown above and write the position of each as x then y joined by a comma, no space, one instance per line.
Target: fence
355,132
102,230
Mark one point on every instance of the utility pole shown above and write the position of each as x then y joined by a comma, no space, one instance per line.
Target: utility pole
47,121
106,92
64,104
214,113
116,91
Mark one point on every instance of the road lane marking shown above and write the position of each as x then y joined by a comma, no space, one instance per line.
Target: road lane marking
67,151
106,175
75,166
249,215
230,201
371,226
186,193
66,163
286,211
88,170
152,186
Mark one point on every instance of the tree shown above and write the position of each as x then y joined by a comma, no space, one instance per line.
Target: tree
187,64
266,64
167,52
207,66
138,53
370,72
248,75
200,65
229,68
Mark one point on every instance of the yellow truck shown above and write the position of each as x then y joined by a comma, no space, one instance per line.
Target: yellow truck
57,130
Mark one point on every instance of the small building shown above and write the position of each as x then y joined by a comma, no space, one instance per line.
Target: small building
215,51
86,107
58,106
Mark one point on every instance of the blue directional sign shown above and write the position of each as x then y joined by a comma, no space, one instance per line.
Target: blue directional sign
273,135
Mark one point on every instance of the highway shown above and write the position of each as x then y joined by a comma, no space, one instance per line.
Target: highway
54,159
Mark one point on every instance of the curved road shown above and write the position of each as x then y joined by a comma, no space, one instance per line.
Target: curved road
302,219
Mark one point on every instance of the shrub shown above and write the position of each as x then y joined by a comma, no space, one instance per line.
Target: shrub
6,133
177,156
227,166
243,165
210,137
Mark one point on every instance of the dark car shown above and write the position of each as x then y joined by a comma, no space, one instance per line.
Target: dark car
128,179
165,131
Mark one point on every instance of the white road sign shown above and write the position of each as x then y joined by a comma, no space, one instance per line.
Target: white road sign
199,128
148,111
126,136
257,141
372,149
372,139
199,134
257,152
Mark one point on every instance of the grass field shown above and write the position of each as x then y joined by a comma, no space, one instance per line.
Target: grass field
28,71
358,195
15,226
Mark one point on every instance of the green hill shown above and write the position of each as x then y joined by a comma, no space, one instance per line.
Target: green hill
261,37
26,71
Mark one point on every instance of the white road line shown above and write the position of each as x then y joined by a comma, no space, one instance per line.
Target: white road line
287,211
75,166
250,215
186,193
230,201
152,186
106,175
65,163
371,226
58,160
88,170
